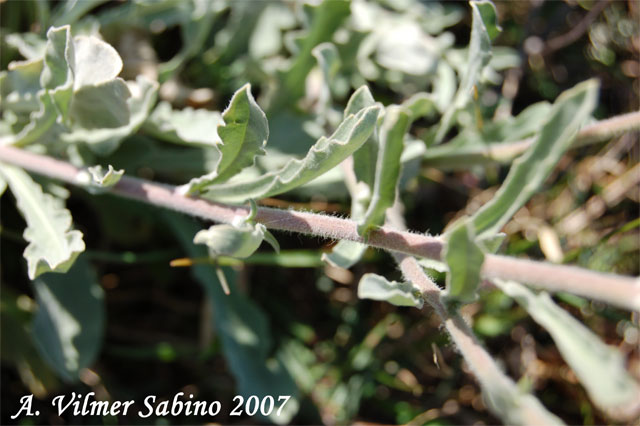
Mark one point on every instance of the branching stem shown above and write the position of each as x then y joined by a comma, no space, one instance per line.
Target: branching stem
617,290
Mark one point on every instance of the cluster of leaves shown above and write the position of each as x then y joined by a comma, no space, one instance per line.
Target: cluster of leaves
66,99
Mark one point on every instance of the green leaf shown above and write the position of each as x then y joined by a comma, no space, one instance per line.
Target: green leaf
243,328
464,258
57,74
529,171
478,57
364,159
325,18
53,245
99,106
40,123
375,287
97,176
598,366
329,61
104,141
68,326
243,136
395,125
345,254
420,105
19,86
236,241
322,157
187,126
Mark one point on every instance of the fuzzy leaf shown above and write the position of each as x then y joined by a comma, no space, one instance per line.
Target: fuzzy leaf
243,136
19,86
187,126
57,74
529,171
364,159
53,245
68,326
40,122
98,177
235,241
598,366
478,57
322,157
375,287
464,258
345,254
395,125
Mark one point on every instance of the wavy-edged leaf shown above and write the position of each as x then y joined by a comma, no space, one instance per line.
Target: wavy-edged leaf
478,57
598,366
529,171
57,74
103,141
376,287
53,245
68,326
464,258
97,176
243,328
322,157
40,122
187,126
364,159
395,125
244,135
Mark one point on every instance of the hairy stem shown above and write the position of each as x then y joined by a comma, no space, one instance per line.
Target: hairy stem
617,290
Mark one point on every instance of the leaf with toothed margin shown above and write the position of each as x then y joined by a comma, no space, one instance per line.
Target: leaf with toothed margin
599,367
395,125
376,287
464,258
53,245
324,155
243,135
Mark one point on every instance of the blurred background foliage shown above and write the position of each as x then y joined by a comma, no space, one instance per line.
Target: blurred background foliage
346,360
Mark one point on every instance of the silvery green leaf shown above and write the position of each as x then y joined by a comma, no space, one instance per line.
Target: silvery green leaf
395,125
187,126
40,122
57,73
30,45
364,159
324,19
420,105
483,24
375,287
19,86
101,106
102,178
235,241
103,141
404,46
528,172
243,136
345,254
329,61
53,245
444,86
599,367
94,62
464,258
322,157
266,39
68,326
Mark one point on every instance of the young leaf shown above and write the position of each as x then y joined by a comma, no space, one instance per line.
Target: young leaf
483,24
53,245
529,171
243,136
394,127
322,157
464,258
68,326
96,176
599,367
235,241
375,287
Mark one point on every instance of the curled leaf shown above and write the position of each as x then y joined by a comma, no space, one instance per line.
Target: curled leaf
376,287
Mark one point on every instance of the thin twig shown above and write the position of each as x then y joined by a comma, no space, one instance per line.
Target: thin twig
621,291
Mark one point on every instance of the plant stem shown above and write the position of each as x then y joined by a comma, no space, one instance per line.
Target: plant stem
443,157
621,291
